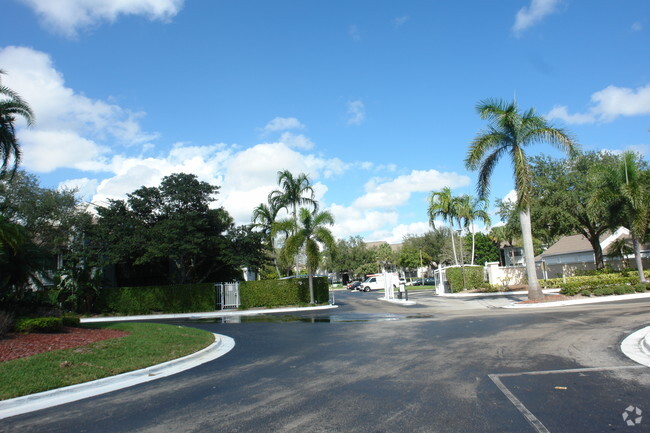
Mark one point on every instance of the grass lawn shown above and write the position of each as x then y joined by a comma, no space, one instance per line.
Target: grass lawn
147,344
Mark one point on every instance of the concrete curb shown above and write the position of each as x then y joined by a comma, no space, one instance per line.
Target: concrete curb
474,295
636,346
204,315
55,397
598,300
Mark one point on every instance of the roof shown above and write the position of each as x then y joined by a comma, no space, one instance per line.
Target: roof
567,245
376,244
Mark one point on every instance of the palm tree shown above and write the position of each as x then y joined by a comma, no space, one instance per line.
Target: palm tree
264,217
510,132
309,233
11,105
472,209
294,192
443,204
626,193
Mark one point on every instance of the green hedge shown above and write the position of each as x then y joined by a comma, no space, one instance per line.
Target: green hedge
39,324
474,278
274,293
186,298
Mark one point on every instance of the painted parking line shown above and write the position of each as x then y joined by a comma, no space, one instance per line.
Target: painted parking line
528,414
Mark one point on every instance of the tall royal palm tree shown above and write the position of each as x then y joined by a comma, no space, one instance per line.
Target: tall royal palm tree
310,233
443,204
295,191
11,106
472,209
264,217
626,193
509,133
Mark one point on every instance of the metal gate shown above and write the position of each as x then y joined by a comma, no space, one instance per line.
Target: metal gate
227,295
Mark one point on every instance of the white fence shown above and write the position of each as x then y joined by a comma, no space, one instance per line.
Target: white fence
227,295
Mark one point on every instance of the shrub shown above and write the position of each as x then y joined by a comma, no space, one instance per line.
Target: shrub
604,291
474,277
274,293
72,321
181,298
7,322
585,292
39,324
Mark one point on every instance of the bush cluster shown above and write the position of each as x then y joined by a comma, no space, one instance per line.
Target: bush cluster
604,284
181,298
39,324
275,293
474,278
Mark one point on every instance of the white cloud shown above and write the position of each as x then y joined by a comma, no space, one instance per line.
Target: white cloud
397,233
532,14
353,31
69,16
511,196
400,21
85,187
283,124
356,112
607,105
637,26
643,149
397,192
297,141
69,127
350,221
246,177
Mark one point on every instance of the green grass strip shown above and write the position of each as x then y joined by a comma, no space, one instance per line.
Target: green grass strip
147,344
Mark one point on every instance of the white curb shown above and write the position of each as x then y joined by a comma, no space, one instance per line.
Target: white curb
637,346
398,301
596,300
55,397
205,315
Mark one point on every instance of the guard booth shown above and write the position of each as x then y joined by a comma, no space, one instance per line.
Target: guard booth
227,295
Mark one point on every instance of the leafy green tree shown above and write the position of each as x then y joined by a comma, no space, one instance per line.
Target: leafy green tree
385,255
413,258
626,193
310,234
11,106
443,204
509,133
486,249
561,201
168,234
349,255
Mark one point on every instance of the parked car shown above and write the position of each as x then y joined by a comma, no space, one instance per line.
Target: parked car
427,282
354,285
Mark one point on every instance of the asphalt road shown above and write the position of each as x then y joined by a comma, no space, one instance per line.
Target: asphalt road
445,365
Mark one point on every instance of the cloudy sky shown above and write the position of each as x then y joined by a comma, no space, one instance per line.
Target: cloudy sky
373,99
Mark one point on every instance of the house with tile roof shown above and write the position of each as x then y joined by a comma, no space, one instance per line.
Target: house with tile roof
574,253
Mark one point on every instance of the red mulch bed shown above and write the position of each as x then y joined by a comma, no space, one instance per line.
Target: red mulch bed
15,346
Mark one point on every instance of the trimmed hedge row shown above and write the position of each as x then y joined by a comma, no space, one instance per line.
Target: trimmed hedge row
180,298
474,278
274,293
39,324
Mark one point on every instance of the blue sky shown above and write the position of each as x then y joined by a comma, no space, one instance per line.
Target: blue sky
373,99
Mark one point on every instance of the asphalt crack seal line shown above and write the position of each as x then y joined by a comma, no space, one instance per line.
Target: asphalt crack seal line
532,419
42,400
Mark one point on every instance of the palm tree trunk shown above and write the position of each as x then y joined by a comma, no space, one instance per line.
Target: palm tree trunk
311,285
453,245
473,236
637,257
534,289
